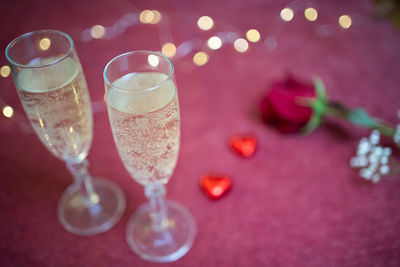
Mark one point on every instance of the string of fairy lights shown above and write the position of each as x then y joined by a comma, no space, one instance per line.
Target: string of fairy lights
171,50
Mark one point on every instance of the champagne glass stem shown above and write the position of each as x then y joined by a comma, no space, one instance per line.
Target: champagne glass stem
83,181
155,193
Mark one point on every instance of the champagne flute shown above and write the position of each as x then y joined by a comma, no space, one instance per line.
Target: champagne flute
143,109
53,91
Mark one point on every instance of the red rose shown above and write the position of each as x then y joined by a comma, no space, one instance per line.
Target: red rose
280,107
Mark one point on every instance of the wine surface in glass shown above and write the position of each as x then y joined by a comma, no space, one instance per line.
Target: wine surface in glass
57,103
146,125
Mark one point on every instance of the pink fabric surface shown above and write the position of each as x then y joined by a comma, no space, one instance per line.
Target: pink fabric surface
295,203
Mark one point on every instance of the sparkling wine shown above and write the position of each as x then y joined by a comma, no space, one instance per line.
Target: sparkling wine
145,125
57,103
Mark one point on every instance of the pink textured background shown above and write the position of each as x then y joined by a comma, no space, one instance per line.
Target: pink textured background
295,203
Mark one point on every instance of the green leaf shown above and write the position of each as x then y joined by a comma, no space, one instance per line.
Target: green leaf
322,106
312,124
361,117
318,106
319,88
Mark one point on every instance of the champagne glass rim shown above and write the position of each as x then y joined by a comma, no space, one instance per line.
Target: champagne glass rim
148,52
29,34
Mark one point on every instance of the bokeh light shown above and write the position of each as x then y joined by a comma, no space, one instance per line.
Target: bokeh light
241,45
205,23
8,111
146,16
153,60
97,31
156,17
150,16
94,198
311,14
44,44
5,71
169,49
345,21
253,35
200,58
287,14
214,42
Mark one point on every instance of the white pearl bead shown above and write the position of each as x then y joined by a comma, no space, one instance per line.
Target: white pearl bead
363,147
384,169
372,158
376,178
374,137
365,173
362,161
384,160
387,151
378,151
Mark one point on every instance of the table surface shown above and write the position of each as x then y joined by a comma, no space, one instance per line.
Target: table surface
295,203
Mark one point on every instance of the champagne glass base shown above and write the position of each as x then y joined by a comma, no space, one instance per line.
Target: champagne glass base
161,245
79,218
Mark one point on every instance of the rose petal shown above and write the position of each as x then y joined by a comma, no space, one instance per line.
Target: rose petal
285,103
280,107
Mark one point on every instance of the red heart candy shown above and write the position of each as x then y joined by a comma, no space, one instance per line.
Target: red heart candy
215,186
243,145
